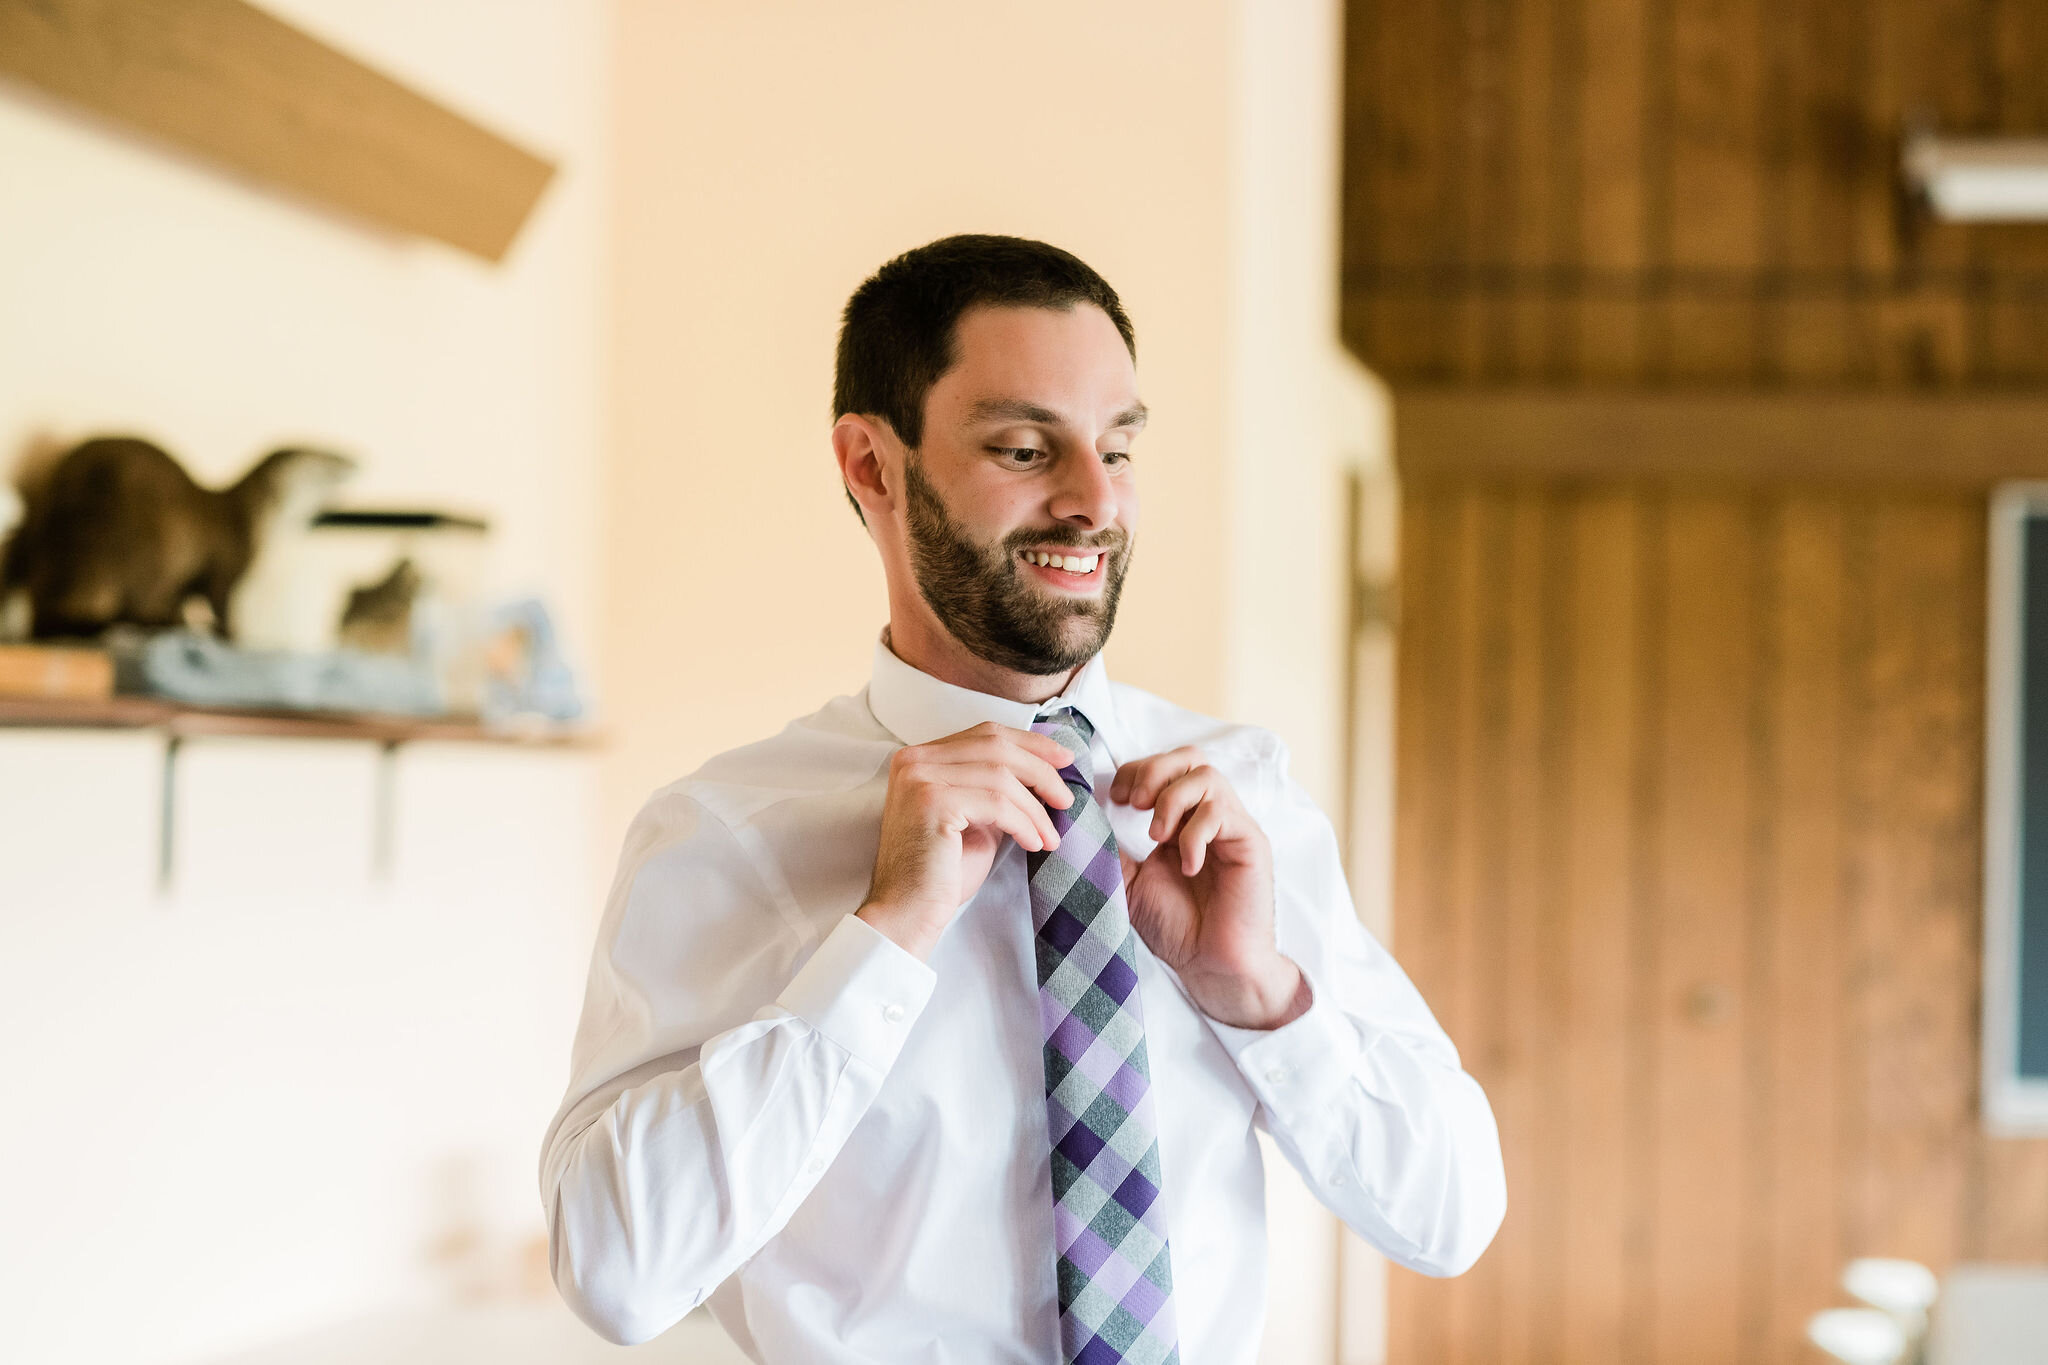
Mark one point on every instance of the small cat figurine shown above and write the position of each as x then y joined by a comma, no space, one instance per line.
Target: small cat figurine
378,617
118,533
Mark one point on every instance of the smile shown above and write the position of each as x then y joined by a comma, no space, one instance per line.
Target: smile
1069,569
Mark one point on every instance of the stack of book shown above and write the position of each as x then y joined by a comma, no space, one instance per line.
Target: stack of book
52,671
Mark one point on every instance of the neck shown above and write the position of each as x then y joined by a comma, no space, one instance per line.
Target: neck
928,648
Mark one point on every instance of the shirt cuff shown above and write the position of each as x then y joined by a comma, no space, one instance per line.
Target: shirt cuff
861,990
1301,1067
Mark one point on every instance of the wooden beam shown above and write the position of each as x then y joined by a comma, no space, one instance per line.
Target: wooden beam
1954,442
236,85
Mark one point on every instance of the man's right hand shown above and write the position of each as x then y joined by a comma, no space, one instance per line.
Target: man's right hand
950,804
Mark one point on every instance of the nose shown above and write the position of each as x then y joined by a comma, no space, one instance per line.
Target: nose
1086,497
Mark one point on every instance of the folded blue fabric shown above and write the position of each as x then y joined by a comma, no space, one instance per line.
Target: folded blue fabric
189,667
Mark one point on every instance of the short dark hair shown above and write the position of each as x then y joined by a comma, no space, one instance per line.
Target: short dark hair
896,336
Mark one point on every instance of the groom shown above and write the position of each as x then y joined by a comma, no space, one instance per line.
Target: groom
940,1025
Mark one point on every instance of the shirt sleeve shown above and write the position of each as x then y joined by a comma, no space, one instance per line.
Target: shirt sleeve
721,1062
1364,1093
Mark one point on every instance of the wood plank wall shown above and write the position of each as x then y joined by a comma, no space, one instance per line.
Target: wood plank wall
1673,192
1687,862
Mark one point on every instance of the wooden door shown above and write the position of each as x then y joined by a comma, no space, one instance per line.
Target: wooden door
1687,861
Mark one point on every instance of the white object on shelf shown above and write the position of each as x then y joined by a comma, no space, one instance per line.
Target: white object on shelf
1857,1336
1903,1289
1898,1287
1979,179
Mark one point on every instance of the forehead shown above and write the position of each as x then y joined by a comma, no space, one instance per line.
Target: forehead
1070,359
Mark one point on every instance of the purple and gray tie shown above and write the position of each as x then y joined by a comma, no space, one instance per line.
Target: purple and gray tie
1115,1278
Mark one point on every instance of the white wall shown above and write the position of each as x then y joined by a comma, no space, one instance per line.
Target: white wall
283,1094
278,1093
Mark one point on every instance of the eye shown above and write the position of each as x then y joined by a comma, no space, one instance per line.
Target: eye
1019,457
1116,458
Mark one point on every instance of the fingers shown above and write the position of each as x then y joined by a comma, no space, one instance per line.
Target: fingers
1139,782
1197,833
1030,805
1192,812
1034,758
1045,746
942,789
1031,756
1011,811
1179,797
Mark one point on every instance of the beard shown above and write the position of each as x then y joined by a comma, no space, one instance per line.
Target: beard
981,596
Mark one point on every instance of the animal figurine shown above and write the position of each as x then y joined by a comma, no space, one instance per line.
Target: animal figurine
378,617
118,533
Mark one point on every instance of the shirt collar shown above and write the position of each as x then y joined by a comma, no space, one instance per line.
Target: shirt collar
917,708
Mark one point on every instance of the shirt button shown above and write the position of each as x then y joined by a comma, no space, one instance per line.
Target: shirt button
1280,1075
893,1013
816,1167
1337,1181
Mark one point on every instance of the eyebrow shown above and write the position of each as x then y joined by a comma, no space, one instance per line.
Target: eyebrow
1023,410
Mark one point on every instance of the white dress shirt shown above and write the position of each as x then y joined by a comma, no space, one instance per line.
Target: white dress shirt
843,1149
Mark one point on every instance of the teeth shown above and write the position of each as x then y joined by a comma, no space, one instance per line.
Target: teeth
1070,563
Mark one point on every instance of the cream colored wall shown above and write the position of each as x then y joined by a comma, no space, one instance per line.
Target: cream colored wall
1303,414
770,157
283,1092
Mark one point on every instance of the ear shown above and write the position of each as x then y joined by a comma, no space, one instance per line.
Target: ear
869,455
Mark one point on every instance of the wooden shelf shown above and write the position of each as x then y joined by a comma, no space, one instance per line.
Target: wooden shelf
243,88
186,722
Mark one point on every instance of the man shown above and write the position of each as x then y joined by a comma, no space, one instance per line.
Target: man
939,1026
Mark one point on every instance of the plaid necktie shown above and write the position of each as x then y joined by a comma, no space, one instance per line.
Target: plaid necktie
1115,1278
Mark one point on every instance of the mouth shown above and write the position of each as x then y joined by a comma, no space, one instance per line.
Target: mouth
1072,569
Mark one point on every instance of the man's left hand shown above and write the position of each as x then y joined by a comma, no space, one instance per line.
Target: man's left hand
1203,899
